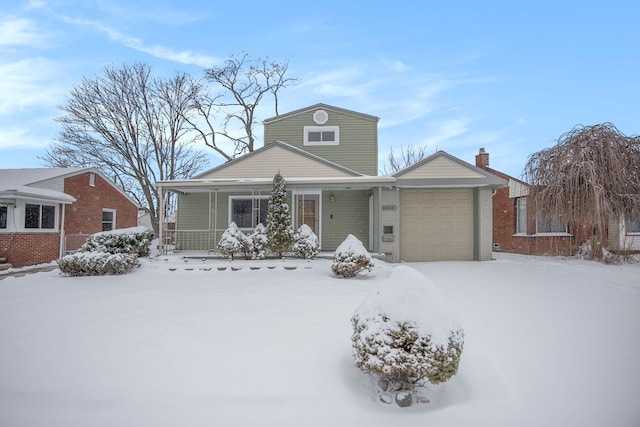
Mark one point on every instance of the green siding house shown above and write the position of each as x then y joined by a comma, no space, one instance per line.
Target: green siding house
437,209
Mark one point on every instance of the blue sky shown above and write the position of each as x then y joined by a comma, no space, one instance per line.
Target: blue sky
454,76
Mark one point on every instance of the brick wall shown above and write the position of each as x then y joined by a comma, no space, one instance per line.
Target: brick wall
85,215
22,249
505,220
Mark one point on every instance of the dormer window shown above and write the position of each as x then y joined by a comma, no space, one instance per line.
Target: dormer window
321,135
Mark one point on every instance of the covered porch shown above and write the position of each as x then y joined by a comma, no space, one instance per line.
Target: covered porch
196,212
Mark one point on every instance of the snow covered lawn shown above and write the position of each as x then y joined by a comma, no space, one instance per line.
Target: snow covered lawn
548,342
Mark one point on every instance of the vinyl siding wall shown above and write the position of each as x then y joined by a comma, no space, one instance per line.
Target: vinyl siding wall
350,212
358,148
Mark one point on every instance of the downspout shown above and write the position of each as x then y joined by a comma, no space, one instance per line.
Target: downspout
161,221
62,249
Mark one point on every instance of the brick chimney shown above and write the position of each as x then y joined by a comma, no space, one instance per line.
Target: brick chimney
482,159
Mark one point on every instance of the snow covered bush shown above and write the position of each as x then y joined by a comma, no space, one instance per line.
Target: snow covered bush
404,333
259,242
305,243
134,240
108,252
96,263
351,258
233,241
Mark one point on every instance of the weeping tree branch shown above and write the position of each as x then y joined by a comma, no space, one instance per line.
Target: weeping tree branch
591,177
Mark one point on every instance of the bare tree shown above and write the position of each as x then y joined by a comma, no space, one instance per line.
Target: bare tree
408,156
245,82
591,178
132,127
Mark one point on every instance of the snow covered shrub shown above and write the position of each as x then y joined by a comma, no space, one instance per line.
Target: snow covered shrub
404,333
233,241
279,231
96,263
305,243
259,242
351,258
134,240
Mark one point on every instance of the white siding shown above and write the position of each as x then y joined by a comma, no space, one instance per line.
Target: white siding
273,160
485,222
442,167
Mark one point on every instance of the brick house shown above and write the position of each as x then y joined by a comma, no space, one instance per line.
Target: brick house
517,231
45,212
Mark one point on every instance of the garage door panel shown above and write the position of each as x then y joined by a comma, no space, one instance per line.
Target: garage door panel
437,225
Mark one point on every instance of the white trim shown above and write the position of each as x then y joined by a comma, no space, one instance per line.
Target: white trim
320,117
294,209
244,197
21,210
92,179
334,129
102,221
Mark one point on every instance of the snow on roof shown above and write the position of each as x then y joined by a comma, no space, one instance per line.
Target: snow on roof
11,178
17,183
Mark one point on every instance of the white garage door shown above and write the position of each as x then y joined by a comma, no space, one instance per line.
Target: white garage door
436,225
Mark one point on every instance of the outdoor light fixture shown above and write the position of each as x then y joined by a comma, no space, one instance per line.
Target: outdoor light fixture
332,198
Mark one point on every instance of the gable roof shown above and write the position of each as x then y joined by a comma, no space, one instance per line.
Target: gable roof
31,183
275,157
324,107
444,170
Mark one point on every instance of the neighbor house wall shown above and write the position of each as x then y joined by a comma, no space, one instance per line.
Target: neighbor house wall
85,215
22,249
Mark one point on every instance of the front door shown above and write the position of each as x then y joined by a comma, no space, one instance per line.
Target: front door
308,211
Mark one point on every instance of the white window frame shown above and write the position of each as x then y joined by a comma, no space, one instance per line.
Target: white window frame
294,210
521,216
254,206
39,228
551,233
92,180
334,129
113,221
6,225
627,227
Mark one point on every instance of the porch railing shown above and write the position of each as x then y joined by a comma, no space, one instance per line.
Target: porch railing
190,240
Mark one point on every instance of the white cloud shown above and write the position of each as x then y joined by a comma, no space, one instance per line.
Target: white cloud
27,83
183,57
20,137
20,32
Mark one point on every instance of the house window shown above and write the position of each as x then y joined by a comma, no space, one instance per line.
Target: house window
321,135
3,217
248,212
521,215
108,219
633,226
39,216
550,226
92,179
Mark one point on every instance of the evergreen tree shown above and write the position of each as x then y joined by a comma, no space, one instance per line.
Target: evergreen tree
279,231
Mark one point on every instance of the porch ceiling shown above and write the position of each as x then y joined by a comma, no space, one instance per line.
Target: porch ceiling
262,184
